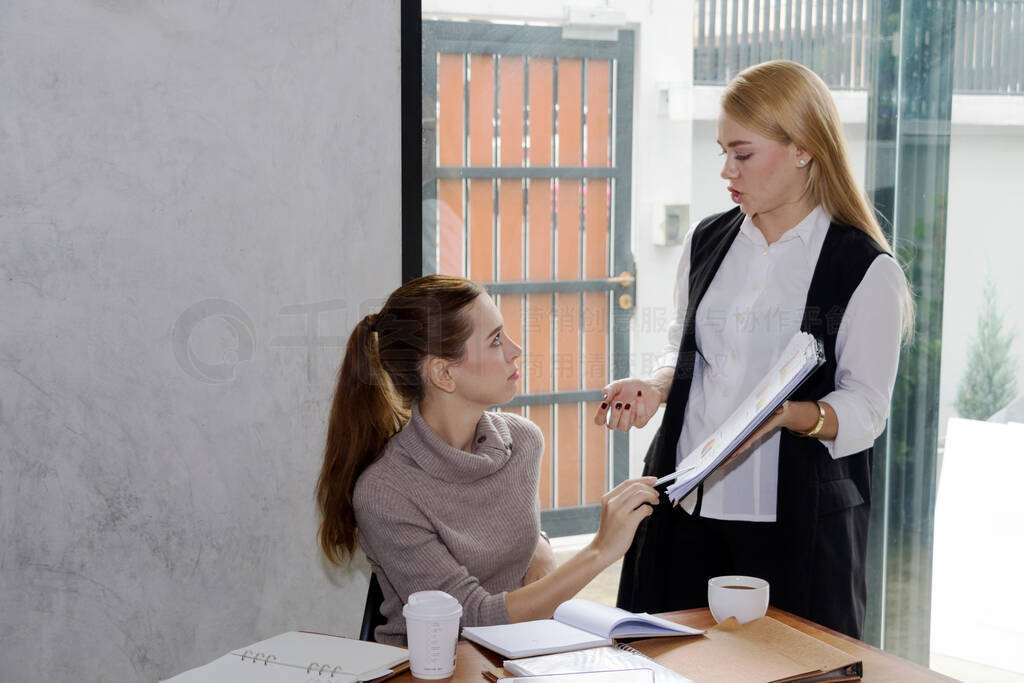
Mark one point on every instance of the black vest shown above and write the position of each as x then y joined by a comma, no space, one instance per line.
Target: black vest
812,486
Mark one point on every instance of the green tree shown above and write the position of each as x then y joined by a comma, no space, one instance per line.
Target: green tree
991,378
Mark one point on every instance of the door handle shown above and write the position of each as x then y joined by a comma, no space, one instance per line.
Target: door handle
625,279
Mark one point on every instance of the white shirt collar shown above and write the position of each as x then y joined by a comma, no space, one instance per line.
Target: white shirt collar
810,231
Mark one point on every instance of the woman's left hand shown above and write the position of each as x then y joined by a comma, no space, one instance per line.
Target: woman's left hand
798,416
543,562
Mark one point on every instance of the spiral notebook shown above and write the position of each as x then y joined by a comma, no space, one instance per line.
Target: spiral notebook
608,660
297,657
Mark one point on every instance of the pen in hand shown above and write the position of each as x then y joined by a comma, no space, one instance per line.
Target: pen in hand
674,475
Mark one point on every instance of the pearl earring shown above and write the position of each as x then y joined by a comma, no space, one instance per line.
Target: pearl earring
803,161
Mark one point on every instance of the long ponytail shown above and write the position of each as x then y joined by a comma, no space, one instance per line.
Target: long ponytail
379,379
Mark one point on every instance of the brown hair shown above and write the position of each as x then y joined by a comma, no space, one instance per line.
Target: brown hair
379,380
787,102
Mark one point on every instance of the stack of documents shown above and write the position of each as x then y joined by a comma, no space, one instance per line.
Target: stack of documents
801,357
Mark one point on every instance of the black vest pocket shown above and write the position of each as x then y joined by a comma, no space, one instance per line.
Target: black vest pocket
838,494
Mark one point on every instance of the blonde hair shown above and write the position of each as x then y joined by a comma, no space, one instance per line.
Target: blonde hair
787,102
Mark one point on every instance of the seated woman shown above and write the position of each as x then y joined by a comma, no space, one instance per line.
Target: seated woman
443,493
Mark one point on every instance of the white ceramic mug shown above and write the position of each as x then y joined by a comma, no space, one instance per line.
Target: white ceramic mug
743,597
432,626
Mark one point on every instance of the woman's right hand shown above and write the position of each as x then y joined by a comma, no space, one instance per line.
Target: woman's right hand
622,510
629,402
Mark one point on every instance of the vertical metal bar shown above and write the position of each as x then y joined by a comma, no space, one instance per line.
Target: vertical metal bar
495,160
849,43
411,89
992,8
1005,26
826,43
1016,63
715,40
995,21
748,35
958,55
983,39
807,32
467,220
814,26
431,212
756,32
733,36
824,49
796,34
852,34
1006,54
776,29
967,44
623,259
581,437
977,46
552,299
859,56
701,57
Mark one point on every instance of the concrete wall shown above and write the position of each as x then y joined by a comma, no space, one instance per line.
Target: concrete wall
189,193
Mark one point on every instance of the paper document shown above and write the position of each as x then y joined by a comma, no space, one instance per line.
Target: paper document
802,355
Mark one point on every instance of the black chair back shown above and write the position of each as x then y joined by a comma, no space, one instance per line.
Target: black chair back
372,617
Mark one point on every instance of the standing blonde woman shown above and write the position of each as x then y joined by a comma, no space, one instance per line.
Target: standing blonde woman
438,491
802,250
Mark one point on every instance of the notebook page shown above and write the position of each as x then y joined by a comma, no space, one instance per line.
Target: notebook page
530,638
613,622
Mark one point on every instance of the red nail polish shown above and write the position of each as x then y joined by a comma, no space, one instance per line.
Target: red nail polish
627,406
617,406
603,406
639,393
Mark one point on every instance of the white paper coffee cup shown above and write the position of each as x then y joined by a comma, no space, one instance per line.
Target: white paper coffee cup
432,626
743,597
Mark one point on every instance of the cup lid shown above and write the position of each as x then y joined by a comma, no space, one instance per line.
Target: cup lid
431,605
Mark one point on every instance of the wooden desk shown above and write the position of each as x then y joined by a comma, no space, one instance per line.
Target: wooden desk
471,660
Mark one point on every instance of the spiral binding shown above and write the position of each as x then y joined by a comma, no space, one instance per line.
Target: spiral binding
313,668
323,669
631,650
257,657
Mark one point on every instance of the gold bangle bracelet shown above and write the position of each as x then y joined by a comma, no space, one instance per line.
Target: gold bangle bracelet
816,428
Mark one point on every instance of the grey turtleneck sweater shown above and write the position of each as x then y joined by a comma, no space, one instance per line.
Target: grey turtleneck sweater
433,517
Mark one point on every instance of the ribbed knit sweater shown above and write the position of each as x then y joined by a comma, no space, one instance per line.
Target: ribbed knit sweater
433,517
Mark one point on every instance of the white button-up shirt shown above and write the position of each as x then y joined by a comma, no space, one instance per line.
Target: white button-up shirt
754,305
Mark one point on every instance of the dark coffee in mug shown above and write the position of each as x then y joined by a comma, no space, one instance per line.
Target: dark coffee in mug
744,588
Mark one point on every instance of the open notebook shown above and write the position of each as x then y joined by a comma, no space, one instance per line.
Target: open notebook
294,656
577,624
802,355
